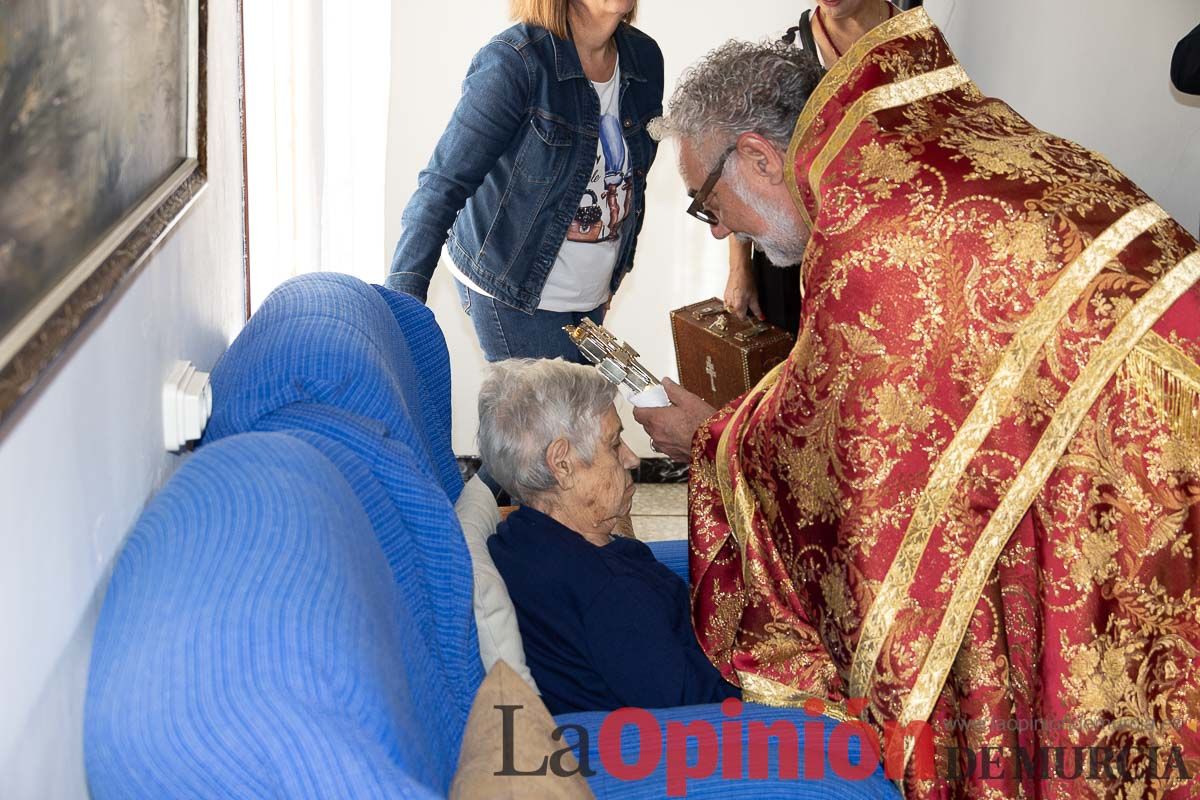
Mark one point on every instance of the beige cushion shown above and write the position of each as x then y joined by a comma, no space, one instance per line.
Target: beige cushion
495,616
482,753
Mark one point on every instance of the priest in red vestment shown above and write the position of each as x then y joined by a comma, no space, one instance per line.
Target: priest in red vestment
968,503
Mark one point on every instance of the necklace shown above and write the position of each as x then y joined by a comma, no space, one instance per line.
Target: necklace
825,31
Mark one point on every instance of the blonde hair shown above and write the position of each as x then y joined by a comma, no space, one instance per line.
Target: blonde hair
550,14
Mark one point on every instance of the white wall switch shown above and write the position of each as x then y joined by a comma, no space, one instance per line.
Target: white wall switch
186,405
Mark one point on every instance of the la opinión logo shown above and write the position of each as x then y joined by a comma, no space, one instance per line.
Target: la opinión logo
852,751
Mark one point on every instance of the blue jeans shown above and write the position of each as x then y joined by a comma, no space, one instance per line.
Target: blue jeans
505,332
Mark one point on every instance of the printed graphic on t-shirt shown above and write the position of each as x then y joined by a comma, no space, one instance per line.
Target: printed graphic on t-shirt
605,203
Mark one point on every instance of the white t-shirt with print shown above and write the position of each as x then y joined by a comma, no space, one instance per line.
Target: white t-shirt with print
582,272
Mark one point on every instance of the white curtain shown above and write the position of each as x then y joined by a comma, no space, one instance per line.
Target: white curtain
318,75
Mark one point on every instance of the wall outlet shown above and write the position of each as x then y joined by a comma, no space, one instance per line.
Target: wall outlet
186,405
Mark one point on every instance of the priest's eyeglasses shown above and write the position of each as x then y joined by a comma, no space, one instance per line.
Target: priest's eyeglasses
697,209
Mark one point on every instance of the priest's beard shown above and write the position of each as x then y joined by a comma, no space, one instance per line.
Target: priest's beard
784,241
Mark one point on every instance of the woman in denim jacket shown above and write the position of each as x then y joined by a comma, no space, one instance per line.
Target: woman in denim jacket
537,186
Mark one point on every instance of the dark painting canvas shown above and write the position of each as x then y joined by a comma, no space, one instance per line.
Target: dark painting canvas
93,119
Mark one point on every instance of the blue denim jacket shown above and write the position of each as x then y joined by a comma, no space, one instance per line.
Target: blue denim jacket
505,179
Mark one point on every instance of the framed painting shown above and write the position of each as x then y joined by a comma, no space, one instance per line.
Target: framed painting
102,150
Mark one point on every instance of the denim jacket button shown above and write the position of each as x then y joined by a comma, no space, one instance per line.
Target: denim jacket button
628,123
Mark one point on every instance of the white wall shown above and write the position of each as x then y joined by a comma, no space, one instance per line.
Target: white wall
86,453
1093,70
1097,72
677,261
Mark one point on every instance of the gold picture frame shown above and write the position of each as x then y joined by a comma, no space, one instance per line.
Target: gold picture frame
72,233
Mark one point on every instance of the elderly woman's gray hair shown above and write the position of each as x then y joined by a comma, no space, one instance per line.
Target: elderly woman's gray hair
524,405
739,87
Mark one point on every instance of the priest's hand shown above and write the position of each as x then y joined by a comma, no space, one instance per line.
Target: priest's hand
671,428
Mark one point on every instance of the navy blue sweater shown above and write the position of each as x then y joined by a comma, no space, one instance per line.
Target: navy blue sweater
603,627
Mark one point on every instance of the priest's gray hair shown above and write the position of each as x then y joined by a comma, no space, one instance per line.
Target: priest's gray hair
741,86
524,405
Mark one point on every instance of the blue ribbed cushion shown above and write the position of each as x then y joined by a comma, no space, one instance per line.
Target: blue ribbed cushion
332,339
673,554
420,537
427,346
830,787
254,643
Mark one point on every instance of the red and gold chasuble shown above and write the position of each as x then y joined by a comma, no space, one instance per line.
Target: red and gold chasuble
971,495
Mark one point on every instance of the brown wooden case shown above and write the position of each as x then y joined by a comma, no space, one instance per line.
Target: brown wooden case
720,357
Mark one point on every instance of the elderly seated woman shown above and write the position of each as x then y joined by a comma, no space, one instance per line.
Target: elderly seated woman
604,624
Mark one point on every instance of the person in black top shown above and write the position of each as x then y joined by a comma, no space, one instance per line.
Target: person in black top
603,623
1185,65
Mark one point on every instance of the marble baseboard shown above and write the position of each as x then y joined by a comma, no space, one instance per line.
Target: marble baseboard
660,470
651,470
